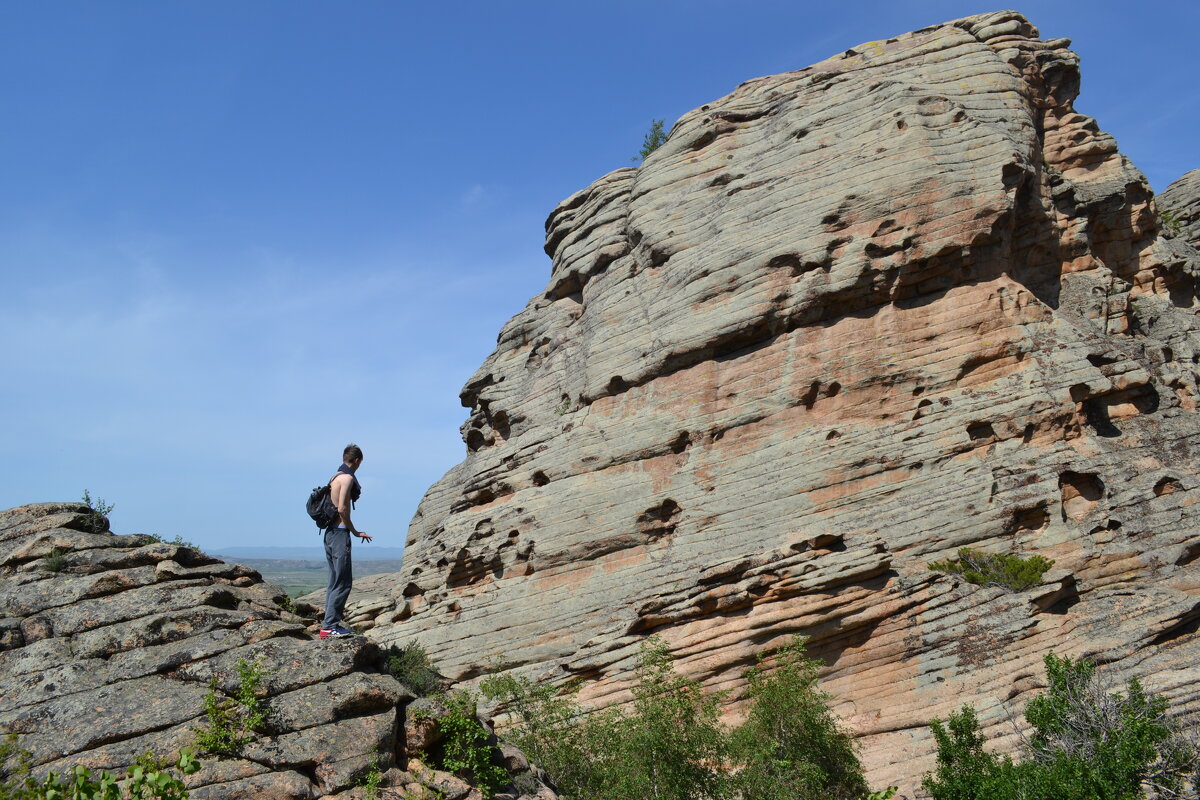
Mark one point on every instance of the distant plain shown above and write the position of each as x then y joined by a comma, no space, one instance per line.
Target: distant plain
298,577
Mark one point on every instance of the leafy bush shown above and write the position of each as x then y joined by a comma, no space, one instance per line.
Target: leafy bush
653,140
996,569
467,747
150,778
370,781
1088,743
791,745
412,666
232,722
97,520
670,745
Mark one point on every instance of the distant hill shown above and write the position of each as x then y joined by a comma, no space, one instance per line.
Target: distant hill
362,552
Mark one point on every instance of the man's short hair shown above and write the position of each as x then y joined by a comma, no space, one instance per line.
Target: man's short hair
351,453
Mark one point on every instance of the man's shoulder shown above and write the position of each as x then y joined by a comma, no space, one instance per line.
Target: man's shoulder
339,478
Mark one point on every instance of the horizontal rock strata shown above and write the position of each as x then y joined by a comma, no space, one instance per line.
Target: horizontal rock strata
1181,202
109,645
845,321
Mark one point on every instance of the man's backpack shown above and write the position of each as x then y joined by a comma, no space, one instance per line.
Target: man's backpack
321,508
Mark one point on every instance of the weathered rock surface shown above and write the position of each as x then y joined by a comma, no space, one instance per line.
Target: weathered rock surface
1182,200
109,645
844,322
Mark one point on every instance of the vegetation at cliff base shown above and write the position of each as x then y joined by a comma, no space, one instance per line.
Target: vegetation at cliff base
671,744
150,778
1088,742
467,747
995,569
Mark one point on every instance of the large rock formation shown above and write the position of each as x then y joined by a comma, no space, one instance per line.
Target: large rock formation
1180,203
108,645
845,321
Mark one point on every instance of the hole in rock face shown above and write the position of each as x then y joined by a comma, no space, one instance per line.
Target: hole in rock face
1189,554
829,437
483,497
681,442
1011,174
1029,519
1104,411
475,440
1081,491
500,424
1167,485
921,406
540,479
617,384
659,520
979,431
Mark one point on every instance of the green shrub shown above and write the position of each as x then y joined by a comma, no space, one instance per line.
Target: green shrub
150,778
653,140
15,763
467,747
97,520
792,746
231,722
1171,223
526,783
55,561
1088,743
371,780
670,744
177,540
996,569
412,666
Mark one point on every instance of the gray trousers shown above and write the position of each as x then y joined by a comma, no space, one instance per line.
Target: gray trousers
341,575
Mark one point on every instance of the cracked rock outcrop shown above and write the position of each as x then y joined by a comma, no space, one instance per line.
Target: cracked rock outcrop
109,645
843,322
1181,200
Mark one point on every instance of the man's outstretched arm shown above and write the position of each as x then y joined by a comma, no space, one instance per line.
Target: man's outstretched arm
341,488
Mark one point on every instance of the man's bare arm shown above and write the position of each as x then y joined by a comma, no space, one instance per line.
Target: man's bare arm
340,490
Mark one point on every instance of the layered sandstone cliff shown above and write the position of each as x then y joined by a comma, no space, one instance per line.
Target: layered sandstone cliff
1181,202
845,321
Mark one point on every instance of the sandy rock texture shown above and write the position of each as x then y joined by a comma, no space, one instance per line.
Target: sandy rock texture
1181,200
845,321
109,645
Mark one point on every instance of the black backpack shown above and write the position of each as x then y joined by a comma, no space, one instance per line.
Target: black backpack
321,508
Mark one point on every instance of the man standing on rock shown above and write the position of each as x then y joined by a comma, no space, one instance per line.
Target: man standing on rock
344,490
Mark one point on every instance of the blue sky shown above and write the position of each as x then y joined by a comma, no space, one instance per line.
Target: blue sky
236,235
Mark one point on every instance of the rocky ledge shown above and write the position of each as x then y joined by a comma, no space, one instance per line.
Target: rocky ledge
109,645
